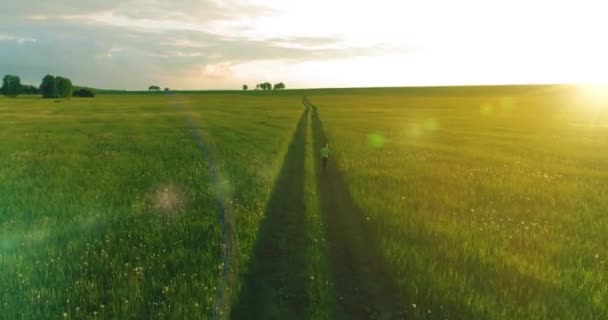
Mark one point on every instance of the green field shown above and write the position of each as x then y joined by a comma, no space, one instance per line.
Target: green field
457,203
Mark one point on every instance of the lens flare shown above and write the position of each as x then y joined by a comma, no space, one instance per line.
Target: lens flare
431,124
376,140
486,109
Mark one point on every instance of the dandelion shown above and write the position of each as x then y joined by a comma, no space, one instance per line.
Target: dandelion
597,256
414,305
312,277
65,315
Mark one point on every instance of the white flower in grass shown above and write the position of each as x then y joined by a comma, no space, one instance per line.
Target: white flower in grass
414,305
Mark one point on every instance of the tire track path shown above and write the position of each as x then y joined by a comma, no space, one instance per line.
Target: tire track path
363,288
275,286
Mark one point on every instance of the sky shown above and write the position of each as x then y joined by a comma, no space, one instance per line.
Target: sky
223,44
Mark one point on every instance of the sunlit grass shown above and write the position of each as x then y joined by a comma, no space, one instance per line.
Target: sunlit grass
486,206
107,207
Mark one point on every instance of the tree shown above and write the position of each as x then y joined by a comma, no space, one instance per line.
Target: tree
48,87
64,87
84,93
154,88
264,86
166,89
279,86
245,87
11,85
29,89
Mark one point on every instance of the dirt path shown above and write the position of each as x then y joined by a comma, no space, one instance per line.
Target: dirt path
276,285
362,286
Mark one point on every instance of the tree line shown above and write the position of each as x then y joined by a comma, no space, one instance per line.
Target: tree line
156,88
51,87
266,86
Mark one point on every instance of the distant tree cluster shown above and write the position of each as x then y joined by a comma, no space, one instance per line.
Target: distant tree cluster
263,86
245,87
84,93
11,85
56,87
51,87
267,86
64,87
29,89
157,88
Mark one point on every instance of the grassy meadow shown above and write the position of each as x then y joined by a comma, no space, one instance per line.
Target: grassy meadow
438,203
484,205
109,206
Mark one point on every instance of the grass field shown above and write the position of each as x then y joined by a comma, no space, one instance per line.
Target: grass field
476,203
484,206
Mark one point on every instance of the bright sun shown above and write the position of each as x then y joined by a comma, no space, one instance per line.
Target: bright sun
595,94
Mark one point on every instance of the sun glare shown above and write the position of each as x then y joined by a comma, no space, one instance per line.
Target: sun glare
595,94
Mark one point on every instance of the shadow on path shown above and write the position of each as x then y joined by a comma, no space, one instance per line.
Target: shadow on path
275,286
362,286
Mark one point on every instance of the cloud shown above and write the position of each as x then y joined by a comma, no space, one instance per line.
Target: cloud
223,43
17,39
129,44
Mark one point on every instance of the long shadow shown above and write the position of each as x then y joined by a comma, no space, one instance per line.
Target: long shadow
362,286
275,286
